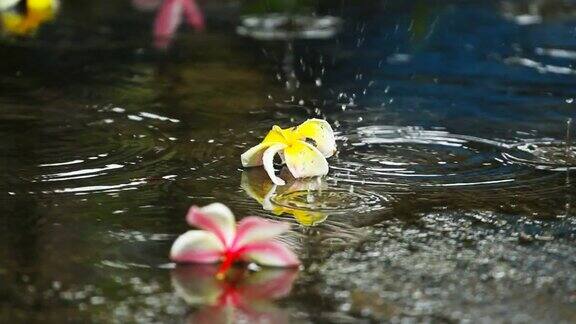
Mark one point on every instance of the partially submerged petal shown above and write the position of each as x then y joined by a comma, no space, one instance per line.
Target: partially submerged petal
321,133
215,218
268,160
270,253
304,160
253,157
257,229
196,247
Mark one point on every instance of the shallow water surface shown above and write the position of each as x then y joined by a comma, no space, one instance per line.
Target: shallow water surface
450,198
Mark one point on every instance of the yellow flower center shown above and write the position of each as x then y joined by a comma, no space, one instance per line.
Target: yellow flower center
37,12
287,136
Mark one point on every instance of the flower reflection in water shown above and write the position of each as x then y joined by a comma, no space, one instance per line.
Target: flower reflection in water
260,187
290,23
277,26
169,17
243,295
23,18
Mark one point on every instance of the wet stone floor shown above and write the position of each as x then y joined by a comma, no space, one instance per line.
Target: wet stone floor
450,198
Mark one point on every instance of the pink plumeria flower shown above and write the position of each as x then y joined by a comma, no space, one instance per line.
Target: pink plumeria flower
219,239
169,17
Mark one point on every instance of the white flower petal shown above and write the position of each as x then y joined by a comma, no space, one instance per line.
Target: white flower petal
5,4
215,218
268,159
253,157
304,160
321,133
271,254
196,247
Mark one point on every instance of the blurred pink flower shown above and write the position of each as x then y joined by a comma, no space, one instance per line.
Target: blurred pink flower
220,240
169,17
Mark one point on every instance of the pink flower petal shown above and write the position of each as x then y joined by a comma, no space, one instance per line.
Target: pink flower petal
215,218
168,19
196,247
256,229
193,14
270,253
304,160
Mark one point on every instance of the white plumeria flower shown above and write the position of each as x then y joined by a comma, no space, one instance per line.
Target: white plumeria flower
302,158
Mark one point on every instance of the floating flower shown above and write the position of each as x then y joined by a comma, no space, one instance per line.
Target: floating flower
243,295
25,22
221,240
303,159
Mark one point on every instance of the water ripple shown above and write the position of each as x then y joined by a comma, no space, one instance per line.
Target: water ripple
100,150
548,155
408,158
